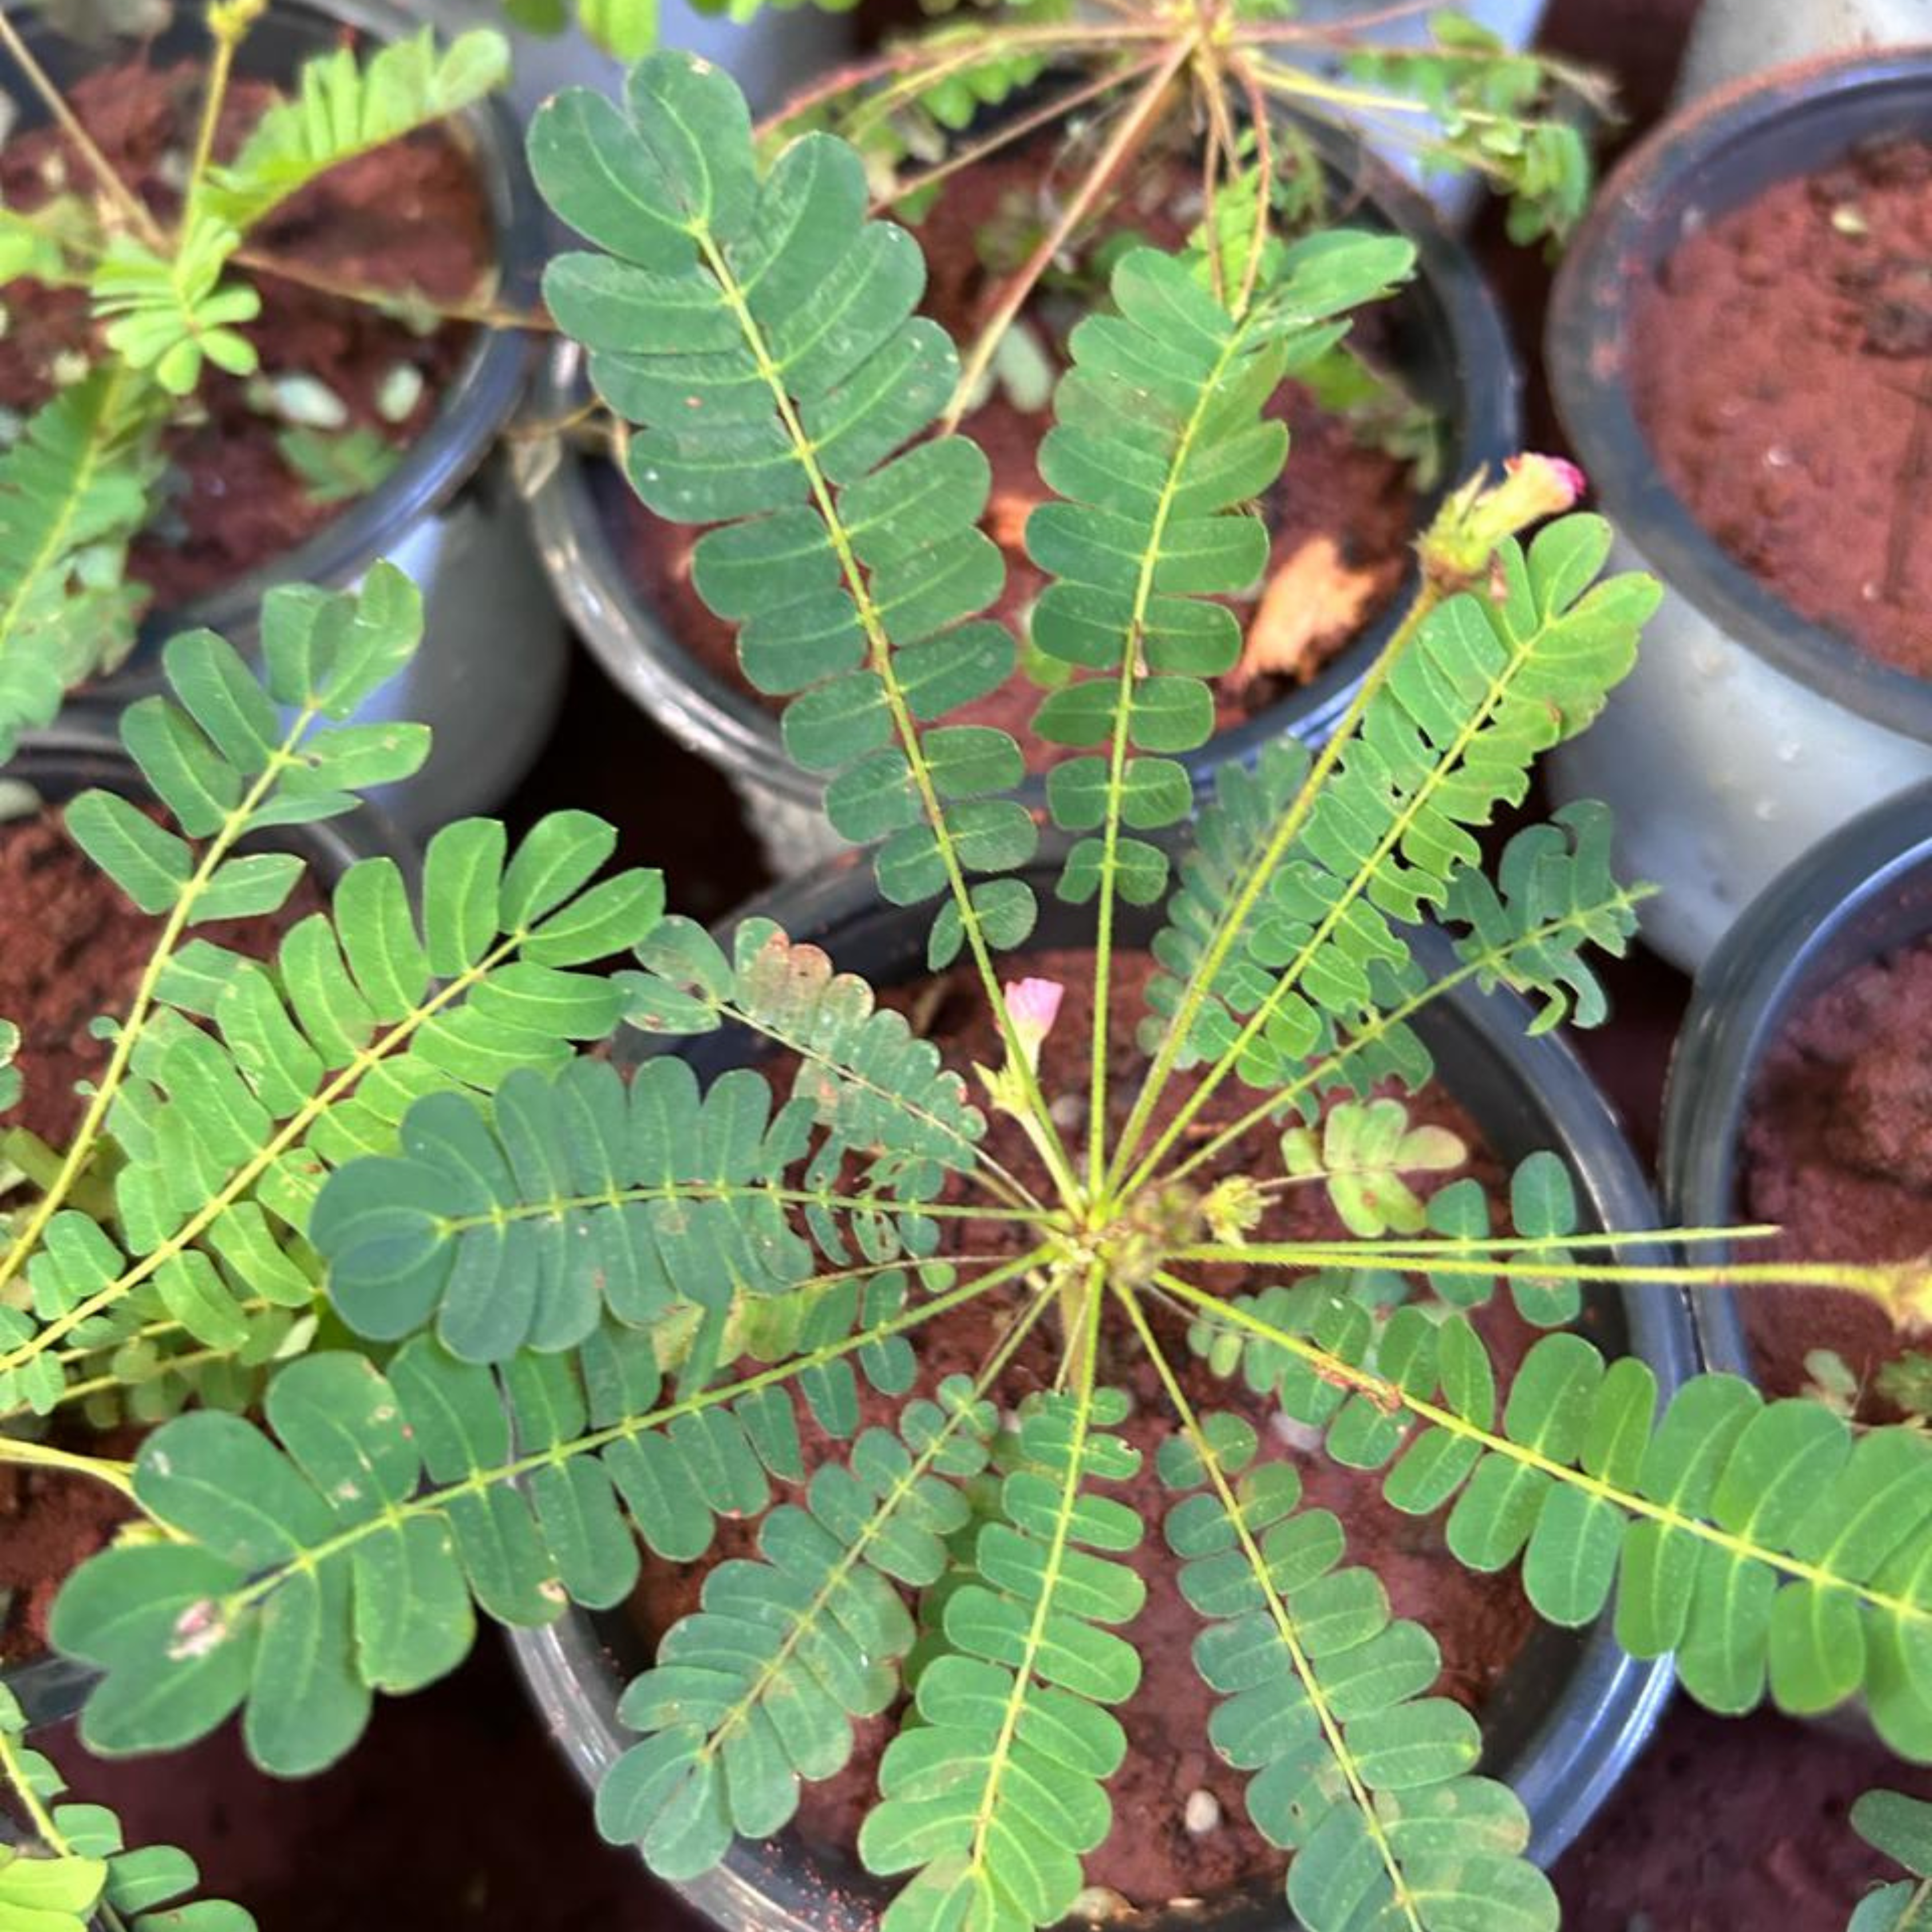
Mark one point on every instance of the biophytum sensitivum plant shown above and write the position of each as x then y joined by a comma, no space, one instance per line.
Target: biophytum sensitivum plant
569,1312
169,293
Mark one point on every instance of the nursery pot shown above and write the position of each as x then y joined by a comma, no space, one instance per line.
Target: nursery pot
56,765
1445,336
1864,892
1571,1713
1732,38
489,676
1746,733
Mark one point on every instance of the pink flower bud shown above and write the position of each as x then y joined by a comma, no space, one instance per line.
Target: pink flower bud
1543,486
1033,1005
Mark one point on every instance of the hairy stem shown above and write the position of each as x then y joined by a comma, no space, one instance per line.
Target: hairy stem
1285,1628
1232,925
905,727
83,1148
123,198
430,1502
1139,114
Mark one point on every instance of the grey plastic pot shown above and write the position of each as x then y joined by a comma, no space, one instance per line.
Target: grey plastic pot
1446,335
1572,1712
1864,892
489,676
55,766
1746,733
1731,39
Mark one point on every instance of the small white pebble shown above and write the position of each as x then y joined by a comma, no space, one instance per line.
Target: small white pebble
1201,1813
1297,1435
1068,1110
1098,1903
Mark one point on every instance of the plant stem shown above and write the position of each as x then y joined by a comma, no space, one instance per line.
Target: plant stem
905,728
396,302
12,1768
1233,923
1140,113
228,24
1877,1282
428,1502
44,1455
1386,1023
970,154
1285,1628
82,1150
111,185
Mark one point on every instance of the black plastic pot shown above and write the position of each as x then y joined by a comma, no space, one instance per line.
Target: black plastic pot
1445,335
1574,1710
489,676
55,766
1747,733
1865,892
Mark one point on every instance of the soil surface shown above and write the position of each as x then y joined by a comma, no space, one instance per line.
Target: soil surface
1481,1623
1838,1152
1340,520
411,217
1735,1824
1782,368
75,948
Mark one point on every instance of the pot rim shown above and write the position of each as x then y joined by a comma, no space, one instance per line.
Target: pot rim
1801,926
1640,213
68,757
479,401
709,716
1608,1703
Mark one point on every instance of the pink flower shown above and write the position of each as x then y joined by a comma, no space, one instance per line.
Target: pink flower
1033,1006
1543,486
1458,547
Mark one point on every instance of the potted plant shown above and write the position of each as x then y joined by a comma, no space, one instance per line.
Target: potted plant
1797,1096
262,288
1777,697
1026,204
578,1310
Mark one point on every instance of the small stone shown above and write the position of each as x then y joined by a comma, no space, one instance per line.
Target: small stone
1068,1110
399,392
1097,1903
1201,1813
1301,1435
304,401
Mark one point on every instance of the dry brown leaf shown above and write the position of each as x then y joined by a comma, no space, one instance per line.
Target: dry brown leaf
1007,516
1313,599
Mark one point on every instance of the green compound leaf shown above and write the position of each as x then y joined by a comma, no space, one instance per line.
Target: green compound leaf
1364,1152
760,331
75,489
247,1082
1483,688
1553,894
1901,1828
994,1797
1159,450
341,1555
169,314
79,1866
1771,1549
874,1088
759,1688
1358,1773
519,1227
343,108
